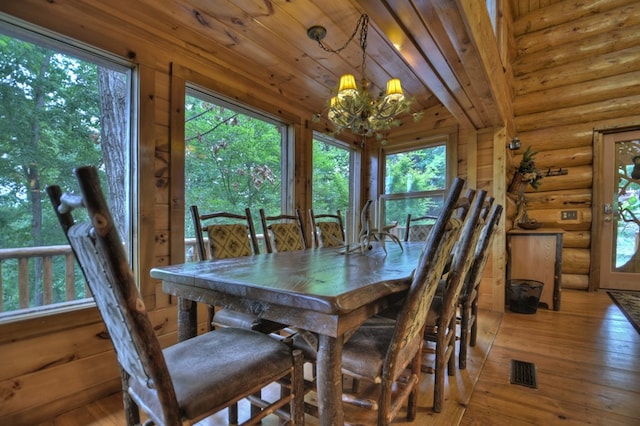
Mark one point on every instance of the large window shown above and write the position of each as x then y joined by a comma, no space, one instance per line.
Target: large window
62,105
234,158
335,179
415,181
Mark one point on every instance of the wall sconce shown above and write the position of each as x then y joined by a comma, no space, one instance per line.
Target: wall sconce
515,144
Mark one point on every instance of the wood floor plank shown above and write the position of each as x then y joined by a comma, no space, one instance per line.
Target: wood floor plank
586,356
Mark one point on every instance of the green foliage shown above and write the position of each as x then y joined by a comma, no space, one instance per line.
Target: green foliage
232,161
527,168
50,123
421,171
331,173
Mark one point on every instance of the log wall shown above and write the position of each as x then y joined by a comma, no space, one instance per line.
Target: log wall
576,68
53,363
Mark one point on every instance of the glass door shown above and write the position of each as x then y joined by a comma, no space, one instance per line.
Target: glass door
620,255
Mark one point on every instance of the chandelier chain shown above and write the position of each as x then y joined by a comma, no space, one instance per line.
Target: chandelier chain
363,26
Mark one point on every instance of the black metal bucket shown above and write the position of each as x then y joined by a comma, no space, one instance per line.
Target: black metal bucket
524,295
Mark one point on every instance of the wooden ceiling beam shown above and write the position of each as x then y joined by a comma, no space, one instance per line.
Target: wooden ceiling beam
483,42
382,16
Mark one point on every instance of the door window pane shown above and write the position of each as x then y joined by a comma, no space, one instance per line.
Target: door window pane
627,243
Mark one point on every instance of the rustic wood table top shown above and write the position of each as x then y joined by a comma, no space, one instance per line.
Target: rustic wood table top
319,290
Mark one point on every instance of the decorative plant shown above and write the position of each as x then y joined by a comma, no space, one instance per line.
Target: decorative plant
527,168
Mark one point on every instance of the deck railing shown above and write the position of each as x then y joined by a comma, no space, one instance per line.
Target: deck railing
28,274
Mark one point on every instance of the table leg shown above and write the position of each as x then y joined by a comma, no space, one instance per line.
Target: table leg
329,384
187,319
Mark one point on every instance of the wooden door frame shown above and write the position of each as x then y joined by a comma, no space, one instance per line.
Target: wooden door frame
598,198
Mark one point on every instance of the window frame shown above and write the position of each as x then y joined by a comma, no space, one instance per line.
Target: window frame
42,37
287,165
351,216
181,76
447,139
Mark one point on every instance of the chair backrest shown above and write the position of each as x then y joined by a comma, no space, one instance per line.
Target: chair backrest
283,232
410,322
486,207
101,256
482,250
228,234
418,228
330,227
462,256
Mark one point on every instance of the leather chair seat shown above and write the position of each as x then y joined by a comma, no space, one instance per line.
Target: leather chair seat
262,358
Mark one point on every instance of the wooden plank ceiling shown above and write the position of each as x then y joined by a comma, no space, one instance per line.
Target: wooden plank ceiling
425,43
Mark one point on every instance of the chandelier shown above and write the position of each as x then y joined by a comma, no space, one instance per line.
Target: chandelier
352,106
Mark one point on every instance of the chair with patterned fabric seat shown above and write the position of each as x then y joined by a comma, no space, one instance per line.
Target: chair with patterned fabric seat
417,229
229,235
283,232
330,227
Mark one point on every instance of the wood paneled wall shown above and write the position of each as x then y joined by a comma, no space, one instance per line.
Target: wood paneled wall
52,363
576,68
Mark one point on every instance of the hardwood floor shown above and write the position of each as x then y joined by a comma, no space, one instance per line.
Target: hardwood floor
586,357
588,367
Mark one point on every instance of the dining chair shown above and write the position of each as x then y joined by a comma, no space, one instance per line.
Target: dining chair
327,229
388,355
283,232
224,235
417,229
192,379
441,321
471,290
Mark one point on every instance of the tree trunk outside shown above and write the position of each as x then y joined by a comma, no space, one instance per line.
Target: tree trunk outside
114,136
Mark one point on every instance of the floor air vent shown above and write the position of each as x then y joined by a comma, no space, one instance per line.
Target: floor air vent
523,373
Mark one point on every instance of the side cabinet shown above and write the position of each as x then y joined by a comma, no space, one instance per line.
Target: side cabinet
537,255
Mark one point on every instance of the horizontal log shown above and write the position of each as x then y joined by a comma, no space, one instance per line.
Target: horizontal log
576,239
545,139
558,200
582,69
572,51
601,23
561,12
553,219
589,91
620,108
576,261
570,136
576,177
575,281
566,157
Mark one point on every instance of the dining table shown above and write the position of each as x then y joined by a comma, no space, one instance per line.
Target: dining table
323,291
